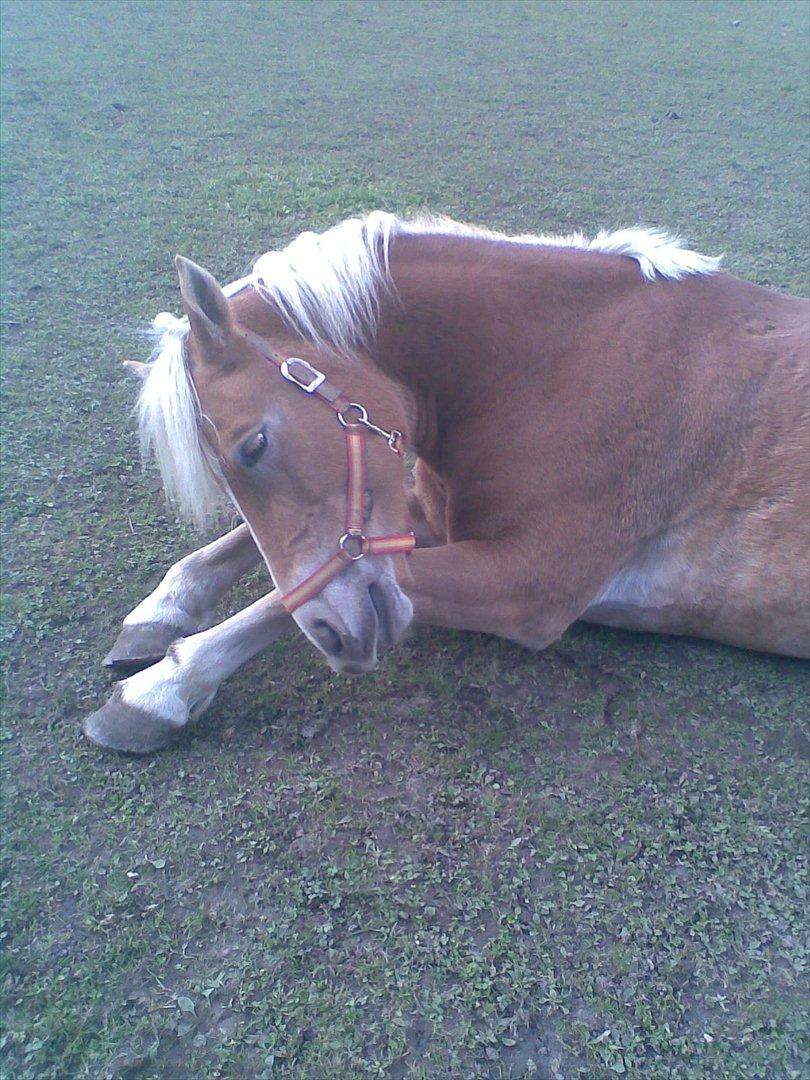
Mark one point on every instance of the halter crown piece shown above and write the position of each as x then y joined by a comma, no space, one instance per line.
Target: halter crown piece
354,420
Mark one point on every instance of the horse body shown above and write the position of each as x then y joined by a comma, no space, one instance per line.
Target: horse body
731,563
592,441
635,451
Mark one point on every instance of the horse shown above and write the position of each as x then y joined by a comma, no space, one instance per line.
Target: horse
611,430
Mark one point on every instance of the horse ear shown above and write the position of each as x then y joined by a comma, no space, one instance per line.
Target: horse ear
203,299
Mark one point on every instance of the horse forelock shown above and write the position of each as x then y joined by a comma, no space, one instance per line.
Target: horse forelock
170,422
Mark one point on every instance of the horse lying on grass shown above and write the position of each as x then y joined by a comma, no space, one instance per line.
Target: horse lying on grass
608,430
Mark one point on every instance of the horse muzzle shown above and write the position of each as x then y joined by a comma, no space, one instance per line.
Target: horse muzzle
356,619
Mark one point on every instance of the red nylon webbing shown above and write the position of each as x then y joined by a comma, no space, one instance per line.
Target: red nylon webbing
390,545
356,485
316,581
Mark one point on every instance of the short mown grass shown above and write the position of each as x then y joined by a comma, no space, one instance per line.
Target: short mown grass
479,861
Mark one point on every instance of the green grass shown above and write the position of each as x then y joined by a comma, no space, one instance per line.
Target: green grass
478,862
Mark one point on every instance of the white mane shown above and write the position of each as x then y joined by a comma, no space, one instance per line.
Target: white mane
327,286
170,421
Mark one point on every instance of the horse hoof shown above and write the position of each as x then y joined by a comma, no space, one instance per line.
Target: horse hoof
138,647
122,727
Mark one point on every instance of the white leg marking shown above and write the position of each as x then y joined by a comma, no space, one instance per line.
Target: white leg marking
185,682
191,589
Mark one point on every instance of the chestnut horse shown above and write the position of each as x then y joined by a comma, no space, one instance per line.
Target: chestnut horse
609,430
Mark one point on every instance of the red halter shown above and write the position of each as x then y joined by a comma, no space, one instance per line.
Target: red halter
353,544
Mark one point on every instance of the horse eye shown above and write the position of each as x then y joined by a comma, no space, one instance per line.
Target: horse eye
251,450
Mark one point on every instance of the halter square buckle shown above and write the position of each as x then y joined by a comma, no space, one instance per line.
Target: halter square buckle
310,387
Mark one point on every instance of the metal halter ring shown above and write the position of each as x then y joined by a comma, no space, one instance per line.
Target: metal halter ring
359,539
391,437
363,415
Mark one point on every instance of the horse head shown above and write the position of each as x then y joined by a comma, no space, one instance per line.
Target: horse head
281,458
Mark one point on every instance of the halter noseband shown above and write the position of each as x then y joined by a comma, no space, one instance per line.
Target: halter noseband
353,544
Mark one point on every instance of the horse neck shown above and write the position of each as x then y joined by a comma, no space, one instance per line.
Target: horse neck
469,317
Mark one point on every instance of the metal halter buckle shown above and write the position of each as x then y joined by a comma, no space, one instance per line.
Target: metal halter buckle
358,538
310,387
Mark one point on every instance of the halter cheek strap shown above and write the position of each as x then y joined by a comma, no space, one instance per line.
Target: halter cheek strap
354,419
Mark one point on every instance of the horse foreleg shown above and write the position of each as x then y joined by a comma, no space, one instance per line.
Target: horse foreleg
148,709
490,587
184,601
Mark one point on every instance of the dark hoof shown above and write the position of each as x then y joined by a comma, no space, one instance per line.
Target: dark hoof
122,727
138,647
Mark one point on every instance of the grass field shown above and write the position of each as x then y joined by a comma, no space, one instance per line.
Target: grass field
480,861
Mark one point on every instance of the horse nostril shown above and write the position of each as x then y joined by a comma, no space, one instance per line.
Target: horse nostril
375,594
328,637
377,597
